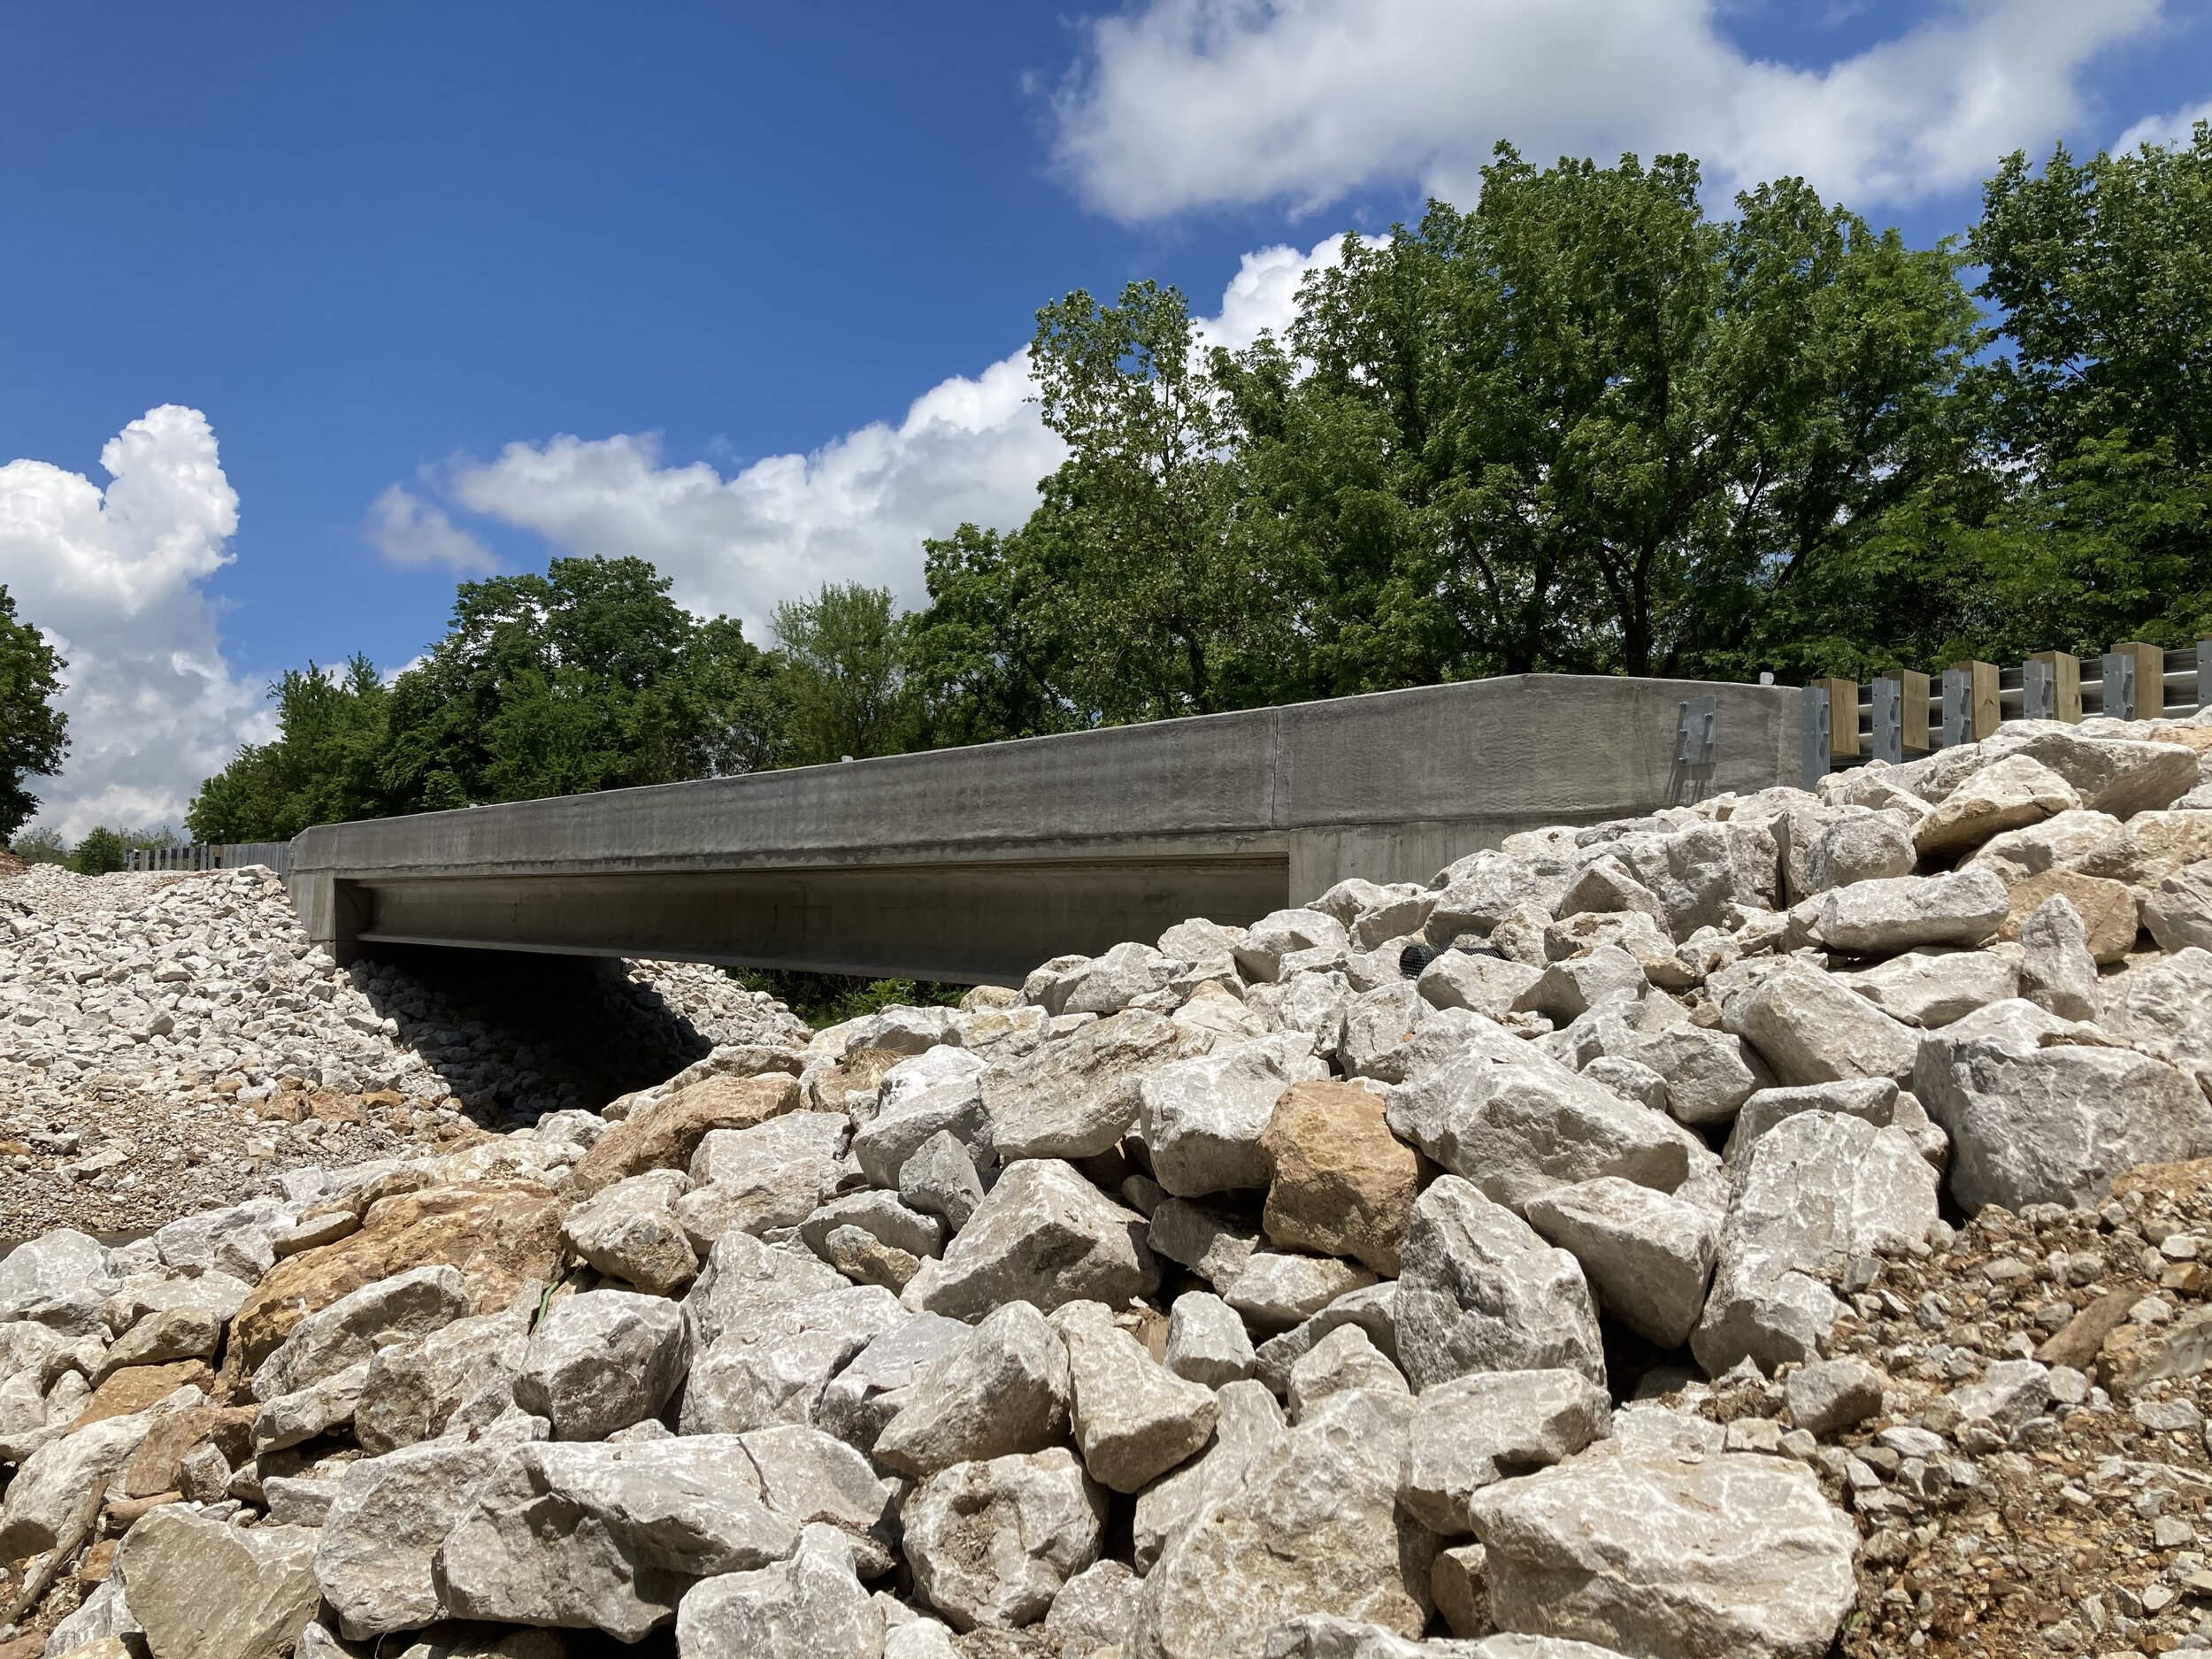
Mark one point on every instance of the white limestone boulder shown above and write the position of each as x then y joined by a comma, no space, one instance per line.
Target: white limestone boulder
1648,1255
1647,1552
992,1543
1202,1118
1472,1431
1043,1235
1817,1189
2040,1112
1133,1419
1480,1291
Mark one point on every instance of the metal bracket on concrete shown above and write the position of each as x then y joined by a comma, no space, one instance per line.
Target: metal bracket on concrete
2118,685
1958,701
1696,747
1889,721
1815,718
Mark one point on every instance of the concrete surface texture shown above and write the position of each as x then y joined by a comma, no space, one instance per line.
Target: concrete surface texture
974,865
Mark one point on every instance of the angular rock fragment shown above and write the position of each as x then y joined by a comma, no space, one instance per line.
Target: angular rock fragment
1093,1610
1497,1111
1826,846
1637,1549
1481,1292
1879,918
381,1533
2179,910
1485,984
1830,1396
1275,1291
1202,1118
1133,1419
1374,1309
861,1399
940,1180
1818,1190
1075,1097
606,1537
810,1607
882,1216
1372,913
603,1361
1250,1425
2057,972
1342,1362
1647,1255
664,1135
1260,953
773,1363
1872,1098
2009,794
1206,1340
629,1231
1044,1235
1567,990
1211,1244
992,1543
1003,1389
346,1334
1930,987
1809,1028
202,1590
1311,1527
1473,1431
771,1175
2037,1117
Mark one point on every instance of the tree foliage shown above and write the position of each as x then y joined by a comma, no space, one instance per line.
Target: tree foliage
1584,425
33,734
587,677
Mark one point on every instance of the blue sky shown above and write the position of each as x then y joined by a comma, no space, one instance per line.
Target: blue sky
451,288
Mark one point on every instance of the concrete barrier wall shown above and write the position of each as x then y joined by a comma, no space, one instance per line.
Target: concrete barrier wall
976,864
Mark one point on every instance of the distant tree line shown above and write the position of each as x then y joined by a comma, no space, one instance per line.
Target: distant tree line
1581,426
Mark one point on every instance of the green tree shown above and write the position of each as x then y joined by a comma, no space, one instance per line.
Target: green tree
101,852
588,677
1584,426
33,734
324,767
40,846
843,675
2101,414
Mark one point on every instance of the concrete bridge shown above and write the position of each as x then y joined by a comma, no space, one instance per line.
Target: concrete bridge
975,864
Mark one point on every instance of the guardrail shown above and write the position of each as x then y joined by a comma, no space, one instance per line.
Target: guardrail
214,856
1903,715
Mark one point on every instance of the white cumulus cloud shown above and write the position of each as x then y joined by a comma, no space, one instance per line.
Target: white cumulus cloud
114,578
2174,129
411,534
1184,104
969,449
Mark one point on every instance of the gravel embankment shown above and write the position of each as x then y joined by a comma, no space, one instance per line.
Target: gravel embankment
169,1043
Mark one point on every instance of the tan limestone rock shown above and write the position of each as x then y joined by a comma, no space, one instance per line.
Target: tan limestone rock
665,1136
1343,1184
500,1234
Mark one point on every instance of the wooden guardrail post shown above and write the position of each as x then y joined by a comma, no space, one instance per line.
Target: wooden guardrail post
2134,681
2050,687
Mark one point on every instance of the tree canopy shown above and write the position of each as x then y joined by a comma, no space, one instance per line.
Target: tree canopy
33,734
1583,425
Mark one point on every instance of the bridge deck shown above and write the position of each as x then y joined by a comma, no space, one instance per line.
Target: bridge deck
976,864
